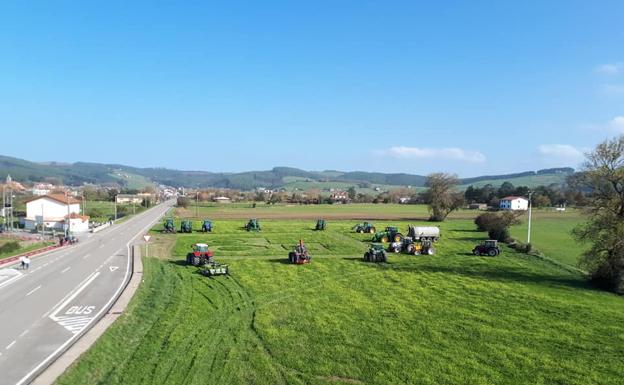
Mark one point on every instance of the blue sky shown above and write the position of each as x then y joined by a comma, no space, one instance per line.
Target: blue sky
396,86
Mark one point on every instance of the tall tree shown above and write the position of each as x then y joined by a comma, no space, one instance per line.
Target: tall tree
603,176
441,195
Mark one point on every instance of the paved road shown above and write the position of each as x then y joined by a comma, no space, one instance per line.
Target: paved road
45,308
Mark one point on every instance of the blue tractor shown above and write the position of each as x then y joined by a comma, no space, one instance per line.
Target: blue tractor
207,226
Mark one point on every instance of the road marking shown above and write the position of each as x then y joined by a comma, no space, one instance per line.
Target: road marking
65,269
90,279
33,290
86,256
9,346
74,324
113,268
24,333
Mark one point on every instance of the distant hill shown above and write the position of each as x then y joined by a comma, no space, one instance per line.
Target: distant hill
79,173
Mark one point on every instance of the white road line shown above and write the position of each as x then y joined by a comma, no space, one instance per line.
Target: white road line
9,346
65,269
33,290
86,256
24,333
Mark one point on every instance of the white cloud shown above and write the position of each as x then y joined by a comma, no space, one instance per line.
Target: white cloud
451,153
610,68
617,124
560,151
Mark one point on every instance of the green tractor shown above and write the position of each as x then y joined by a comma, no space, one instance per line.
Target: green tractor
207,226
253,225
391,234
169,226
320,225
365,227
186,226
376,253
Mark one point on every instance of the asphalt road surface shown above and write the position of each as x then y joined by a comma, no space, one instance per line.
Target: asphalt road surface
46,308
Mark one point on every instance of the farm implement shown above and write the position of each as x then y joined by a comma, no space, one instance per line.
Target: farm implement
207,226
186,226
169,226
320,225
202,257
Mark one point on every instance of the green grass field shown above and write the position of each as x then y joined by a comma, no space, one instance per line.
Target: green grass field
452,318
23,248
551,235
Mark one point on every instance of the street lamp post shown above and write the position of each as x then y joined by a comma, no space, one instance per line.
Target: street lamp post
529,226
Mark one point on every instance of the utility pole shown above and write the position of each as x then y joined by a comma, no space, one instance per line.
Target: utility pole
196,203
68,213
115,204
529,226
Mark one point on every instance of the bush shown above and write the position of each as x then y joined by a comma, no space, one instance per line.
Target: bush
497,224
183,202
9,247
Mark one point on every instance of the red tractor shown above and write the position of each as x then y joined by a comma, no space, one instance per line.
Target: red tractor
200,255
300,254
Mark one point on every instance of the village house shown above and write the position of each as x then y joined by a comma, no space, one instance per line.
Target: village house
55,211
514,203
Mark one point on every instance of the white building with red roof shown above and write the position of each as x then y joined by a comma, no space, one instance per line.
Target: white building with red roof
55,211
514,203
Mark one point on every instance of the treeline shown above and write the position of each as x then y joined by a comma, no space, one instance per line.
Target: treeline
542,196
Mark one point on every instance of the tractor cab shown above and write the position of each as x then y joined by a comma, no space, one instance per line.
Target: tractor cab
376,253
200,255
207,226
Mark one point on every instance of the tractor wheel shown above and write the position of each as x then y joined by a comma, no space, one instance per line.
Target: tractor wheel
196,261
492,252
360,231
430,251
372,230
476,252
398,237
397,249
384,239
367,257
409,249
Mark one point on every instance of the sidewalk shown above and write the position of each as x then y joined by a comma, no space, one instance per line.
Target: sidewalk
58,367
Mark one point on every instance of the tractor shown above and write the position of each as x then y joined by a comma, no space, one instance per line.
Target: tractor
300,254
376,253
253,225
365,227
206,226
390,234
320,225
169,226
409,246
489,247
186,226
200,255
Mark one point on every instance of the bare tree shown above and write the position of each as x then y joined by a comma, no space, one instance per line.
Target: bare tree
441,195
603,177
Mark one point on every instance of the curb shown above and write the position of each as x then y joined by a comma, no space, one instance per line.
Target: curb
73,353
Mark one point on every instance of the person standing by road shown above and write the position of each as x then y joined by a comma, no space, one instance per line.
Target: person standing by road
27,262
22,263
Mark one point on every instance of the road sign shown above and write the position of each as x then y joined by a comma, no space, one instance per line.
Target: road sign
147,237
